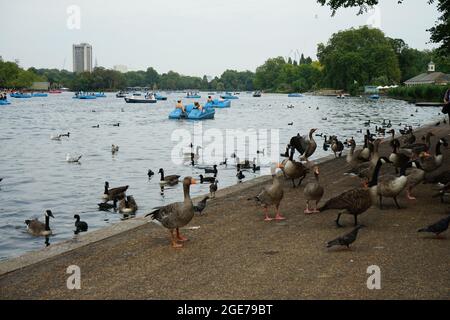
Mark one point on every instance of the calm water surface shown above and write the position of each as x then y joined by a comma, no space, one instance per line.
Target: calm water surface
37,177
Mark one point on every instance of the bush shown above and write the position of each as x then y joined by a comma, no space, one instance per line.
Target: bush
431,93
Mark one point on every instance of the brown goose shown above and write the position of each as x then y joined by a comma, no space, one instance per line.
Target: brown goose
176,215
114,193
305,147
294,169
356,201
337,147
417,148
313,192
128,205
38,228
272,196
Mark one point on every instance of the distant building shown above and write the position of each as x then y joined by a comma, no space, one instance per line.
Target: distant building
371,89
82,57
42,86
430,77
121,68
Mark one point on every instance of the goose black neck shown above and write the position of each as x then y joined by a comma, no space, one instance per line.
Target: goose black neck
375,175
47,223
291,154
162,175
106,189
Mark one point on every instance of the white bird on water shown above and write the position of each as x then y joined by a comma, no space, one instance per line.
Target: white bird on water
70,158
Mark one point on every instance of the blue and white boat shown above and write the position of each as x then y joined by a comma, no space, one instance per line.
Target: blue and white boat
192,114
39,94
216,103
20,95
193,96
374,97
295,95
100,95
84,96
228,96
160,97
4,102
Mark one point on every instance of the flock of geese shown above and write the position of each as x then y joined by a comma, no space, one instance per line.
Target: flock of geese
413,162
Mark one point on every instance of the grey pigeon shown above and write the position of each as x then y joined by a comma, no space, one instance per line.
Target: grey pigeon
200,206
438,227
347,239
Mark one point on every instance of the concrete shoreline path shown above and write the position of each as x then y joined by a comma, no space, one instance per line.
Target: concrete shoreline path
234,254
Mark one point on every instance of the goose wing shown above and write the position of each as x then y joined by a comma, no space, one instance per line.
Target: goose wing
355,201
299,143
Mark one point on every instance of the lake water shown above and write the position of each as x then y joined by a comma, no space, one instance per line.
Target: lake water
37,177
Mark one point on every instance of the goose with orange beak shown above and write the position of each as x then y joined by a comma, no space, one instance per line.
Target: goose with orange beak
272,195
176,215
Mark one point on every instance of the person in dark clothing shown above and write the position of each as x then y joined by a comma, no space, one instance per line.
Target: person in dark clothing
446,108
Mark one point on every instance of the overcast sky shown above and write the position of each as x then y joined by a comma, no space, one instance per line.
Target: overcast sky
191,37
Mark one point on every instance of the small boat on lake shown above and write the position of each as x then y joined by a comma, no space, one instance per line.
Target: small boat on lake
295,95
20,95
4,102
228,96
54,91
257,94
100,95
139,98
192,113
160,97
374,97
84,96
191,95
216,103
39,94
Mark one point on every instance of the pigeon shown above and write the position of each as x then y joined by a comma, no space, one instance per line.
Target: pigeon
347,239
80,226
437,228
200,206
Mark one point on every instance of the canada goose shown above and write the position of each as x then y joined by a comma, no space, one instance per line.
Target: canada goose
417,148
347,239
73,159
224,162
398,159
294,170
80,226
356,201
201,205
286,153
261,152
272,196
290,123
432,163
150,173
391,186
65,135
256,168
206,179
105,206
114,193
193,156
313,192
211,170
169,180
213,188
240,175
367,123
38,228
114,148
176,215
415,177
442,178
128,205
116,124
337,147
367,149
97,126
246,164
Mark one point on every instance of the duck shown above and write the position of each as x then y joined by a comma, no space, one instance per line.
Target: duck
431,163
73,159
213,188
97,126
224,162
313,192
337,147
256,168
358,200
114,193
65,135
116,124
272,195
176,215
128,205
170,180
206,179
201,205
105,206
240,175
81,226
367,123
114,148
150,173
290,123
294,169
38,228
211,170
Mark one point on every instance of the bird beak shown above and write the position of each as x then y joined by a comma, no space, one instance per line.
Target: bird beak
193,181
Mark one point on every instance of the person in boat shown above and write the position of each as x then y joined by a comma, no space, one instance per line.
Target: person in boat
198,106
446,108
210,100
179,105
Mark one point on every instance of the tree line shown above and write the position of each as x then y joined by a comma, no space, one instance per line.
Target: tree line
349,60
